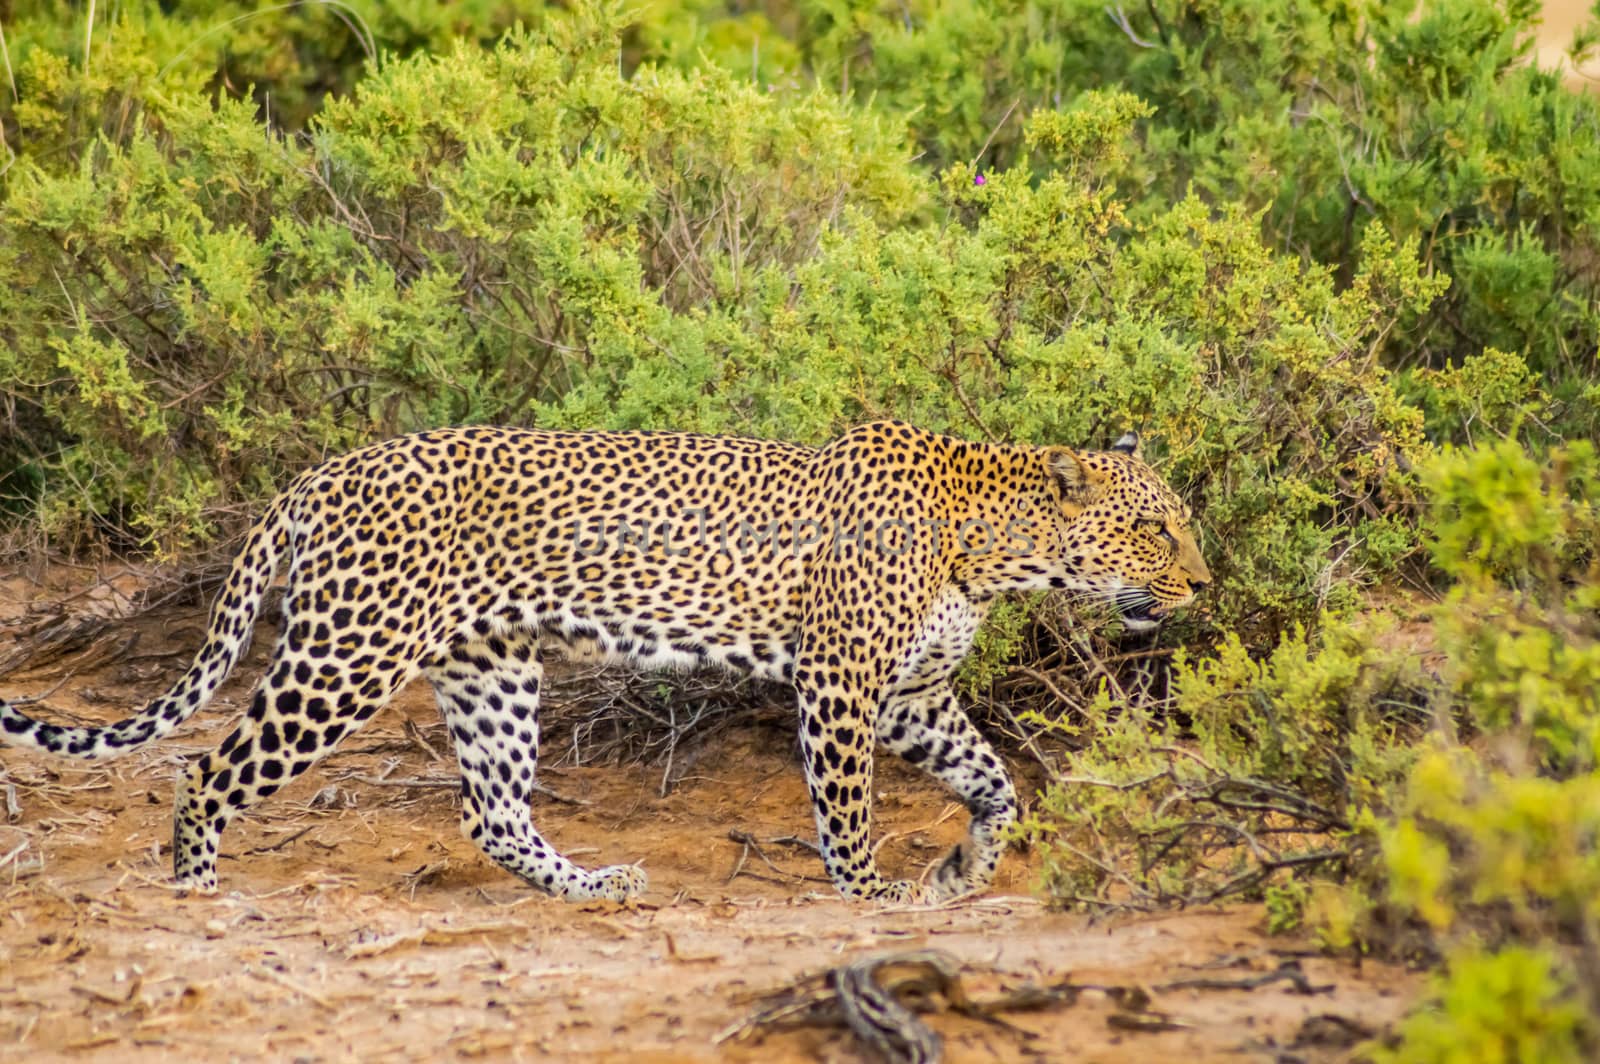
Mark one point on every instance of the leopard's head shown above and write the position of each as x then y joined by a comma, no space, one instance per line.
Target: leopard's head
1126,536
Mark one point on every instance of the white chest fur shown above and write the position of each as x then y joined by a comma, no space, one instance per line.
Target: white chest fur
942,641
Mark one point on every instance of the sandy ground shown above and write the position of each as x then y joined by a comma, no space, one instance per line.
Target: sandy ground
356,923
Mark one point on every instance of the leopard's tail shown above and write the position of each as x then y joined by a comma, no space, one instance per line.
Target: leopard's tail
228,632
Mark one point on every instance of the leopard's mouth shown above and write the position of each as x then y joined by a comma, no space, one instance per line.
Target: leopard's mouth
1139,610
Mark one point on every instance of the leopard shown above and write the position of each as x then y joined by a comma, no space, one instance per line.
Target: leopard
857,573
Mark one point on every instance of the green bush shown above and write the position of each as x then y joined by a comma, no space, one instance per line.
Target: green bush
1323,116
1462,812
467,236
1522,845
1504,865
526,234
1496,846
1507,1008
1255,773
81,78
1521,627
1039,313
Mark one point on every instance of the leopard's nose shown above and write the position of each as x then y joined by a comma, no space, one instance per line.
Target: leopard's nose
1198,586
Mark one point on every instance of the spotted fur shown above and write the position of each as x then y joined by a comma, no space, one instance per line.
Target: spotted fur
859,572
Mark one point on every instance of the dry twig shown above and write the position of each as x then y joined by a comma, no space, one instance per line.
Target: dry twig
878,998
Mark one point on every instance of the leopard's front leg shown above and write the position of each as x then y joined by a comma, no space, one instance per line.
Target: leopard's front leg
836,740
928,728
856,628
841,669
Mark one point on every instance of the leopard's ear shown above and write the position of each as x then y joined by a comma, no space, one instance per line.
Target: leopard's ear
1076,478
1129,445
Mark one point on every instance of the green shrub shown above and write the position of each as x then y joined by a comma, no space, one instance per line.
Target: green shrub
1508,1007
1256,772
525,233
1491,394
465,237
1322,115
1496,846
80,79
1521,627
1040,314
1522,845
1504,865
1337,758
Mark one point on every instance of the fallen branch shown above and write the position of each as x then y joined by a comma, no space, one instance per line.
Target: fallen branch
281,843
425,936
752,846
557,796
1288,971
878,999
451,783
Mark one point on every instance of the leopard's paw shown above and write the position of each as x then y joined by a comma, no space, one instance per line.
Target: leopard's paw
616,883
950,876
903,892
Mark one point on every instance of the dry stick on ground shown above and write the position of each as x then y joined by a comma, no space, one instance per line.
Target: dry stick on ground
281,843
878,998
14,854
437,935
1288,971
556,796
752,846
421,783
414,734
744,854
796,841
43,696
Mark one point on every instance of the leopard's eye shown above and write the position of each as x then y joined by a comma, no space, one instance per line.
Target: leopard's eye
1156,527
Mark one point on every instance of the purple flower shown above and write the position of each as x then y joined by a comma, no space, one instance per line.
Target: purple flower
980,180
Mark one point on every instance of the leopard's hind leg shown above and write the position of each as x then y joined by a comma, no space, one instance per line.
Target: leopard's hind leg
488,689
299,713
